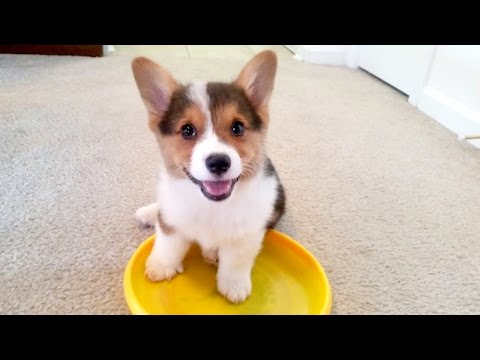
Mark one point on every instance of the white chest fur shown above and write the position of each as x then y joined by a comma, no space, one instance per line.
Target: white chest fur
210,223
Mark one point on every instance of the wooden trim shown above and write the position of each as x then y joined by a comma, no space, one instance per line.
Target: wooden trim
80,50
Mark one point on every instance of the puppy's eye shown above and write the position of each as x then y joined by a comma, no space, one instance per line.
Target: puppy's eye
237,128
188,131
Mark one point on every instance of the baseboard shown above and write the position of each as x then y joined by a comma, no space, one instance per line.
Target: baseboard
450,113
321,54
108,49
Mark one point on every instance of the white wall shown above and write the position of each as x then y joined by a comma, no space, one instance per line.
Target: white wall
456,71
451,92
402,66
448,86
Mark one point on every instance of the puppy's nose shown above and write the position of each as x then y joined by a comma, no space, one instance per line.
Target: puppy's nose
218,163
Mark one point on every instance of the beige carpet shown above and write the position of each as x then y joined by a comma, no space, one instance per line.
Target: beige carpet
384,197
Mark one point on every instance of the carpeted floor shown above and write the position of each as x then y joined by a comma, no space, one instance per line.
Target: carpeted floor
384,197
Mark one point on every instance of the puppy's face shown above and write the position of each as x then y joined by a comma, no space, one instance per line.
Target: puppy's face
211,133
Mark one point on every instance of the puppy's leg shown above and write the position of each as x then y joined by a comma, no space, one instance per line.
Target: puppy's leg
147,215
166,258
235,267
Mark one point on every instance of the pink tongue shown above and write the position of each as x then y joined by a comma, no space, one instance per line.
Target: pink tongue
217,187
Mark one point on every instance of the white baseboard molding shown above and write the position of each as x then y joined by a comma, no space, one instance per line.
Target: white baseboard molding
449,112
324,54
108,49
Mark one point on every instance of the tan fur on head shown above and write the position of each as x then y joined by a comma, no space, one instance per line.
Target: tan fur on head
170,107
177,151
249,146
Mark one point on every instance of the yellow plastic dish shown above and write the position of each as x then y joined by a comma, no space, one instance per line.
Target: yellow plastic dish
286,279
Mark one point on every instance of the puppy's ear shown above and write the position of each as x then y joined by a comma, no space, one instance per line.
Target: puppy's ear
155,84
257,78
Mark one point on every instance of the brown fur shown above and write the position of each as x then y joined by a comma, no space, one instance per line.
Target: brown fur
280,201
249,146
177,151
245,100
228,103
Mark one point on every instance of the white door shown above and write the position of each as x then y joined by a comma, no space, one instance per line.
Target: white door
402,66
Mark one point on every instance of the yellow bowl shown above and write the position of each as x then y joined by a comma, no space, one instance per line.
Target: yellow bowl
286,279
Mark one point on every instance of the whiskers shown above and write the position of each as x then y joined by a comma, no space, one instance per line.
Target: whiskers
250,168
180,169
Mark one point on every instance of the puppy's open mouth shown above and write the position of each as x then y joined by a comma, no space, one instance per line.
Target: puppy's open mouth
216,190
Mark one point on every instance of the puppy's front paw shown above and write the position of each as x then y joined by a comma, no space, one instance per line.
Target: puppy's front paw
146,216
235,289
155,270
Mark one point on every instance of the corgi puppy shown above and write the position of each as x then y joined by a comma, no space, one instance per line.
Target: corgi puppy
217,187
